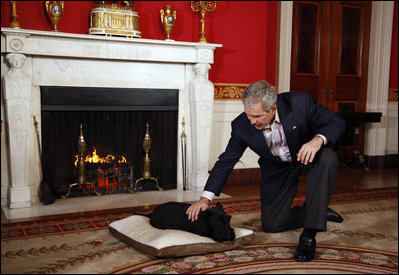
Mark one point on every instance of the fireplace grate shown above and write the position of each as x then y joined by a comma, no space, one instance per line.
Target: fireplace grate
107,178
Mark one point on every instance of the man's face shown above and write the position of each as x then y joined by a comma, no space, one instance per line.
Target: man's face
259,117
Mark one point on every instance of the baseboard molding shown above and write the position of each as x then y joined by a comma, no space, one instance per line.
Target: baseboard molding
238,176
379,162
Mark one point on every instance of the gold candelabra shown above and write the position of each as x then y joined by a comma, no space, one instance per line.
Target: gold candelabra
203,7
14,23
146,169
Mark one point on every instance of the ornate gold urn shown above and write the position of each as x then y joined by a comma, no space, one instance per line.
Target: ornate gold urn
54,11
168,19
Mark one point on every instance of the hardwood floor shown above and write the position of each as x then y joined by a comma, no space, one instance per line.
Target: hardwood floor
348,180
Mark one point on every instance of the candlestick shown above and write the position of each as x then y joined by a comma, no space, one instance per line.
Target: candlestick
14,23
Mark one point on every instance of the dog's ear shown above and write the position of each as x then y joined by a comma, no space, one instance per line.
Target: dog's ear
218,204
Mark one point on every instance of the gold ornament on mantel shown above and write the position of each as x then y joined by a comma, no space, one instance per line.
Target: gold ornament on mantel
203,7
54,11
14,23
168,19
114,20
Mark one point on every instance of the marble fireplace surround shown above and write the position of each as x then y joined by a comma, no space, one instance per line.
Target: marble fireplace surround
30,59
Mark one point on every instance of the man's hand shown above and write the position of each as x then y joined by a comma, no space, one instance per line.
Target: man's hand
201,205
309,150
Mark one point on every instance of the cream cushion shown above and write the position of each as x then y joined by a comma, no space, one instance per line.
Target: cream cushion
137,232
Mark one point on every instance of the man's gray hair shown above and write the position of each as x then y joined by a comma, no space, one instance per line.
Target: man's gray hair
260,91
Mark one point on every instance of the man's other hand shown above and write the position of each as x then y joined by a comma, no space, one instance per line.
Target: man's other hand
193,211
308,151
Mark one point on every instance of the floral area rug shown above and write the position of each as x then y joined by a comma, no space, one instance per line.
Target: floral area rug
366,242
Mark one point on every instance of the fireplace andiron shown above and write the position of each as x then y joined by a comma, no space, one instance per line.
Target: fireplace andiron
146,170
81,181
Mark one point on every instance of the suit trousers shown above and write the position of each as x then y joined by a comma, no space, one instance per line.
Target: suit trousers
279,216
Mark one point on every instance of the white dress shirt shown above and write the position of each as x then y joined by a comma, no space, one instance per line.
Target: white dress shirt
276,140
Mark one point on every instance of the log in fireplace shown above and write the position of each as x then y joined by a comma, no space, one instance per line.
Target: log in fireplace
114,123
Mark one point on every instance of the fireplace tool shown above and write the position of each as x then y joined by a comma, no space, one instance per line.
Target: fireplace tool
146,170
45,192
81,179
184,155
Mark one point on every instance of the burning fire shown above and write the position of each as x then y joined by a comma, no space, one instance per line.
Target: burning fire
94,158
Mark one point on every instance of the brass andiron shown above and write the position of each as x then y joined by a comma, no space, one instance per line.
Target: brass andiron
146,170
168,19
54,12
14,23
81,178
203,7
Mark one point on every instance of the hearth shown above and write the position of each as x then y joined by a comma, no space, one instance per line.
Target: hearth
114,122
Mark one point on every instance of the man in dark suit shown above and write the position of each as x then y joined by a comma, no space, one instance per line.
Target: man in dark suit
293,135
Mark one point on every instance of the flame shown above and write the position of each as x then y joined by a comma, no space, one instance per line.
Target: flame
94,158
104,182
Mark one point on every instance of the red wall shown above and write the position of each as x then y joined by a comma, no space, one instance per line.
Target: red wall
393,76
247,30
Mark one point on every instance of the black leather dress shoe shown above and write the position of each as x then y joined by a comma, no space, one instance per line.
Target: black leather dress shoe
306,249
333,216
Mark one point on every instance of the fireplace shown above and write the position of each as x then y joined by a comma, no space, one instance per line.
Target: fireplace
35,59
113,124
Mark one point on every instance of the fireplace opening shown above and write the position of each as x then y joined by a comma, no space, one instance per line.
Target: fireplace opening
113,124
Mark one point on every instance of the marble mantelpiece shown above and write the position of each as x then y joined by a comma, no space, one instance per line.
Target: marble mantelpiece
31,59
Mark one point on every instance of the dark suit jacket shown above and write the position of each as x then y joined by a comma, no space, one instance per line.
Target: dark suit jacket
302,118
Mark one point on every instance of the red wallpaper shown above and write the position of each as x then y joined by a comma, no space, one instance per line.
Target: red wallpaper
393,76
247,30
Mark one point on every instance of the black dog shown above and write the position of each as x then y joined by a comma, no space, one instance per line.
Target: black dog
213,222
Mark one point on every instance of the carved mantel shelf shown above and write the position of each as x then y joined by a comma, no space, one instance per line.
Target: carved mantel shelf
93,46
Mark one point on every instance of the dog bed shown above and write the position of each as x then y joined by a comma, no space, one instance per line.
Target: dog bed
137,232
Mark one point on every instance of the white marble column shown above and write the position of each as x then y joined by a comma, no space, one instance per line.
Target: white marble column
284,57
17,89
201,103
378,76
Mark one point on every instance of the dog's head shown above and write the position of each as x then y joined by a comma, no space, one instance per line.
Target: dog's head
219,222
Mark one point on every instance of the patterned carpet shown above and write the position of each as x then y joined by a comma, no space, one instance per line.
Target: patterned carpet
366,242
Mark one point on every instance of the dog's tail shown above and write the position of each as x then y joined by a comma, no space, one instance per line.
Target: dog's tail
143,214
